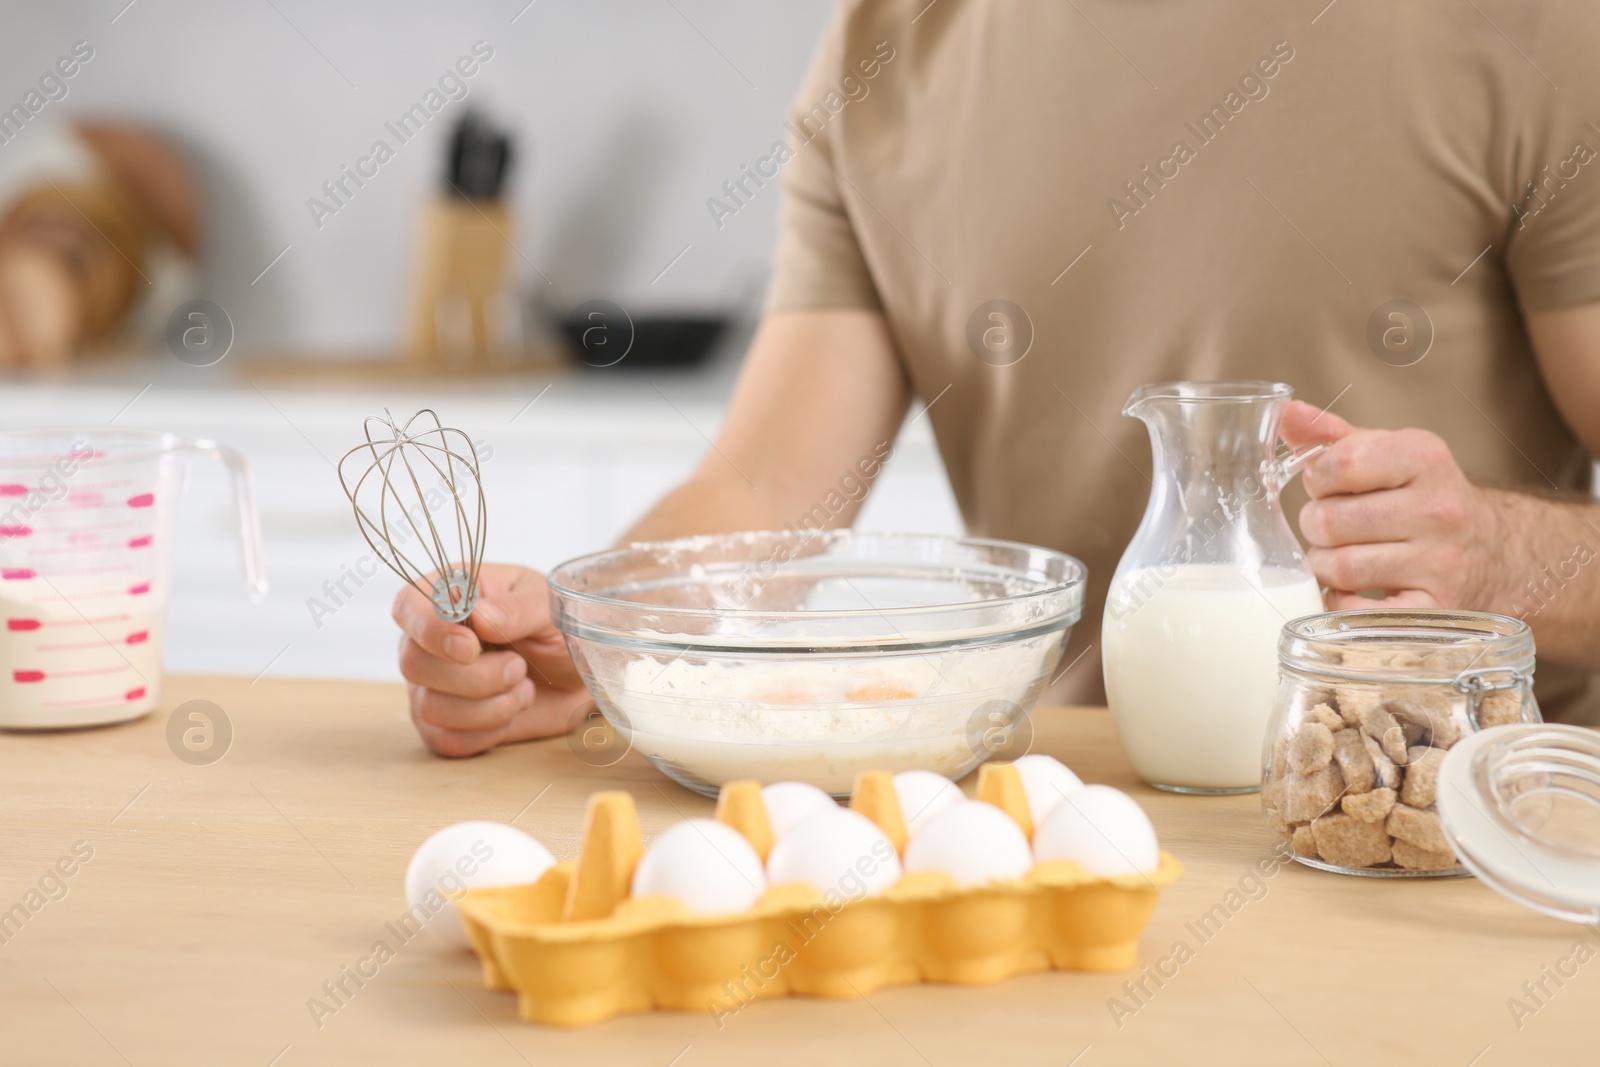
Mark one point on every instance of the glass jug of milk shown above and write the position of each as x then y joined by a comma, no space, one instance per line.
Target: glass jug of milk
1190,633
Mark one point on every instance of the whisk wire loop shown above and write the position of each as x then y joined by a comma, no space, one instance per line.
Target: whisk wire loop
396,481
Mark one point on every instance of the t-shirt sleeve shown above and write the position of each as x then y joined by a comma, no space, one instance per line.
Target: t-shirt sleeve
818,263
1553,249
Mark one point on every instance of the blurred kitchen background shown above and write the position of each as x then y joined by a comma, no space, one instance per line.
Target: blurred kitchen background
577,196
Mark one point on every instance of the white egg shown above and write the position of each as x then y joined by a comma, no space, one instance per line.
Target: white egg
705,865
839,851
791,803
924,794
1102,829
973,842
1045,780
468,855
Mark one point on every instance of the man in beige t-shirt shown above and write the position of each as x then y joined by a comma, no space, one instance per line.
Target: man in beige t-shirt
1393,208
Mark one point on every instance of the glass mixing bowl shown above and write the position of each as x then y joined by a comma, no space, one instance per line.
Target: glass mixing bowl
813,656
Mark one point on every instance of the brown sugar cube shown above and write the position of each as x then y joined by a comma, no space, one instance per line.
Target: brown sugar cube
1325,695
1311,749
1421,828
1429,715
1445,730
1325,714
1447,659
1384,770
1355,763
1312,795
1349,842
1365,658
1355,702
1280,754
1304,842
1273,795
1385,729
1499,707
1413,858
1369,807
1421,787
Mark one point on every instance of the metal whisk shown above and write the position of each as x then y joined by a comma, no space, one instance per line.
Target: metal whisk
405,476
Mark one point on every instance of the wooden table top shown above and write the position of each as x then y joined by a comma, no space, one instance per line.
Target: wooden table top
219,898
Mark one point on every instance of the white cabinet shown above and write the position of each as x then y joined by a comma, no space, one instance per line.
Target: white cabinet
566,477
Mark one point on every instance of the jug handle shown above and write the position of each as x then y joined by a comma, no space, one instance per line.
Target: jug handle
244,498
1289,463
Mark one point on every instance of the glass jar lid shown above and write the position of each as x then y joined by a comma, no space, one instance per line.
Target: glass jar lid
1471,650
1520,805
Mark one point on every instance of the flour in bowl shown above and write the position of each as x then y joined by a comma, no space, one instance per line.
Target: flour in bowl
822,718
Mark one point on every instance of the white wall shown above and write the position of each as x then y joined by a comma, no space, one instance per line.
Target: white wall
629,115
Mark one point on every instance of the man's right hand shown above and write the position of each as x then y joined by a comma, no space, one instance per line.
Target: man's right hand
504,676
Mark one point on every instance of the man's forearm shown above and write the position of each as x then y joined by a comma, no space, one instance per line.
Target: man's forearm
1549,574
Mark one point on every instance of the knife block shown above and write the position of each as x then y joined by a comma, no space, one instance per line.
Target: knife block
460,283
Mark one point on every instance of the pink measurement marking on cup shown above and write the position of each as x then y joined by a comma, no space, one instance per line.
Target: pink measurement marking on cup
13,490
15,625
139,590
143,500
116,698
137,637
141,541
39,676
17,574
15,531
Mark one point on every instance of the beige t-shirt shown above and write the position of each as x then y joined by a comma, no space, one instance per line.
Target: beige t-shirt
1186,190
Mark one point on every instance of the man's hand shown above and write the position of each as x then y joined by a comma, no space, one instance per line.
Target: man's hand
505,677
1390,511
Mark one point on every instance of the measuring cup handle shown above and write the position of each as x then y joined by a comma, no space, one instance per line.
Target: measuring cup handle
1286,466
244,497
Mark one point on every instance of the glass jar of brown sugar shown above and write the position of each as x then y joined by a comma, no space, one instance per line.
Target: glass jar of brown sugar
1368,704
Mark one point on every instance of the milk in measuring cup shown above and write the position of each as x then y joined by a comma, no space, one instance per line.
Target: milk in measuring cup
67,668
85,538
1191,665
83,572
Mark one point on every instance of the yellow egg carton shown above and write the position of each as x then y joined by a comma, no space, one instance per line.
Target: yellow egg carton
576,948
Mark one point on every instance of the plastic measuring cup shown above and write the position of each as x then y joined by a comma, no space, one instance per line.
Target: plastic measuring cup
85,544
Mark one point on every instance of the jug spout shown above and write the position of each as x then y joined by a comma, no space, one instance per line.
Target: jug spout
1219,430
1148,400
